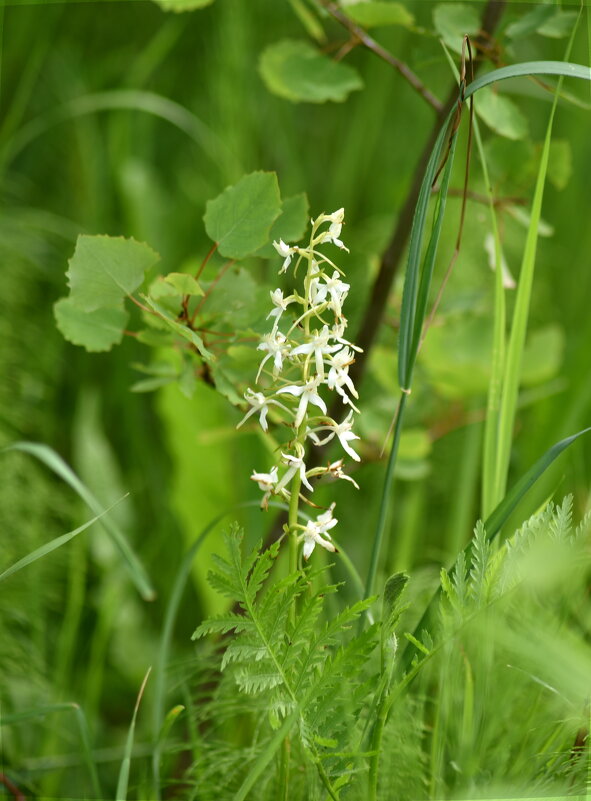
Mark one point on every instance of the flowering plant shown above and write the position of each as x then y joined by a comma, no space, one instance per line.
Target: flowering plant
302,359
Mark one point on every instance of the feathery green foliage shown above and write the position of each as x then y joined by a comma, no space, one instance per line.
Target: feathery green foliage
304,669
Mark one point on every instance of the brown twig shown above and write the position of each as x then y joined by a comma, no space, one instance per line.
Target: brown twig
509,200
392,256
212,250
366,40
12,788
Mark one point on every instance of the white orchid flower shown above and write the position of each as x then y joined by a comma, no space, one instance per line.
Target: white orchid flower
266,482
307,393
259,403
336,469
275,345
337,331
334,230
287,252
338,375
295,465
316,533
342,431
280,303
318,346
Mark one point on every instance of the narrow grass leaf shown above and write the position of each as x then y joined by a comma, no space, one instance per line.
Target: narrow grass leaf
56,543
499,516
123,781
528,69
55,462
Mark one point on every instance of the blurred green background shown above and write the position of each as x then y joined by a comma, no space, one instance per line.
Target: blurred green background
120,118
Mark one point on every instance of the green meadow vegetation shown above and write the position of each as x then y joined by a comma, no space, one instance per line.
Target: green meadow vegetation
296,400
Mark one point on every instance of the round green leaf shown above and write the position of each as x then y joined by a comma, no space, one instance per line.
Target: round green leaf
297,71
453,20
104,269
378,13
240,219
96,330
182,5
501,114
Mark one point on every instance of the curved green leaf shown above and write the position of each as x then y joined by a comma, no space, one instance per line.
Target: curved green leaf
500,515
46,549
527,69
177,6
378,13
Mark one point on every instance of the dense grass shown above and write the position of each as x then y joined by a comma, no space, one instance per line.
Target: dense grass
90,142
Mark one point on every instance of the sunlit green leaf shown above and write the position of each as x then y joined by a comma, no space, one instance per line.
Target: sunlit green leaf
378,13
104,269
240,219
453,20
96,330
182,5
299,72
501,114
183,283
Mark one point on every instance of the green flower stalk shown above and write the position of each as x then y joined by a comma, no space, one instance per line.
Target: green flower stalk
303,360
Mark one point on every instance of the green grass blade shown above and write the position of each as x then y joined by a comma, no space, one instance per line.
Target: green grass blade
511,378
55,462
519,324
85,741
527,69
384,502
134,100
56,543
429,261
123,781
495,521
412,278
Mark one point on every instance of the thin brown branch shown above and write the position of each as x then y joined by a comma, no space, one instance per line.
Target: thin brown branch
367,41
212,250
12,788
509,200
392,256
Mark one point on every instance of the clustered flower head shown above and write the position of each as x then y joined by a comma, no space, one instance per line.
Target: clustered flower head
305,359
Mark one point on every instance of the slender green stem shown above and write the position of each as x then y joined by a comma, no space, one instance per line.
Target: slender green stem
385,499
376,747
284,771
326,781
292,521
